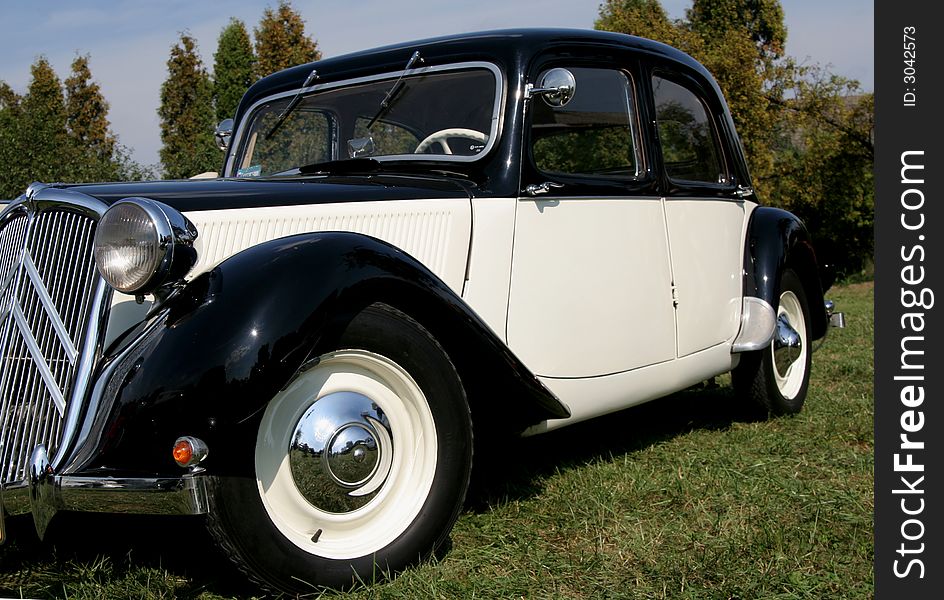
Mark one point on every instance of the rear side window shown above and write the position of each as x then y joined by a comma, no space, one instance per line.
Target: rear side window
689,144
593,134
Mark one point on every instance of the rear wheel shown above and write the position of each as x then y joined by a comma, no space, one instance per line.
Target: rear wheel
777,377
361,463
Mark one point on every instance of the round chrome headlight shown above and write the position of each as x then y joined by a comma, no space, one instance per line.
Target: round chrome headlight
141,245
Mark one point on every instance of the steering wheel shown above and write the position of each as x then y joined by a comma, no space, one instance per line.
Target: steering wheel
442,136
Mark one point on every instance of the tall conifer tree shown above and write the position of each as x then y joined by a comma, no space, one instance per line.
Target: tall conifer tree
281,41
42,140
10,155
87,111
232,68
186,114
47,136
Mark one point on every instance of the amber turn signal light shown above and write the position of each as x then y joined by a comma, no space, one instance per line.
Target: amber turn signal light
189,451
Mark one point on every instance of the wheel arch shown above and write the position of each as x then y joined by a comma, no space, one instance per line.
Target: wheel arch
504,396
235,336
778,240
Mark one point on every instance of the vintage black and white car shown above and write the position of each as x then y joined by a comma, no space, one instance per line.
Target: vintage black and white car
410,252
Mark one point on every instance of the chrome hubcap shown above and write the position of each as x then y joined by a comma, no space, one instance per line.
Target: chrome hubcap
346,455
788,345
340,452
789,350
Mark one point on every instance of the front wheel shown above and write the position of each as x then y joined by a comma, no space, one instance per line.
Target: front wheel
777,377
361,463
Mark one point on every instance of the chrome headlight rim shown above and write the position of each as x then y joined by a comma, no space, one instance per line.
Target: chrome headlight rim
174,233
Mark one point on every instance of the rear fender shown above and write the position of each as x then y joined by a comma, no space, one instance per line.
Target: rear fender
777,240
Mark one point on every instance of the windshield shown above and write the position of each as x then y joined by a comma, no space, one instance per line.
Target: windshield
437,113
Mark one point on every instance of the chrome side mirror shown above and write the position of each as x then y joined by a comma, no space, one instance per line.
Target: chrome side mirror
223,133
557,87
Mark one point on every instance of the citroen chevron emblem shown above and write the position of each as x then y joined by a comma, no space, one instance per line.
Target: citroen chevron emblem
62,335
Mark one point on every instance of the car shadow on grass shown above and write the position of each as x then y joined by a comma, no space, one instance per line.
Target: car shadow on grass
515,469
105,555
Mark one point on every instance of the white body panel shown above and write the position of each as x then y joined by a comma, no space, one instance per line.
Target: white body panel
435,232
580,288
592,397
705,237
590,286
493,235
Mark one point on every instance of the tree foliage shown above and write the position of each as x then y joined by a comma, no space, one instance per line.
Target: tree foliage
87,111
42,122
59,133
823,169
761,19
644,18
806,133
186,114
281,41
233,66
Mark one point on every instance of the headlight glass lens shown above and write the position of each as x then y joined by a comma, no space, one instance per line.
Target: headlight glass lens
128,248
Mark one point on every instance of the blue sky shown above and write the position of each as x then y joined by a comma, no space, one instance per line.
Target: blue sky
129,40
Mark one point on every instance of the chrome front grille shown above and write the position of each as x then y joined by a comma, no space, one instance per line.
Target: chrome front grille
47,282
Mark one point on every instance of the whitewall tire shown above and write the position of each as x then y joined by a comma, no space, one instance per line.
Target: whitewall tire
778,377
361,463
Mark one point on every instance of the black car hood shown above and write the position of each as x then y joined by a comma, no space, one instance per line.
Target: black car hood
215,194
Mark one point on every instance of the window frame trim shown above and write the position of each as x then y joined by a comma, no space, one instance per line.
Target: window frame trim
495,132
687,187
581,184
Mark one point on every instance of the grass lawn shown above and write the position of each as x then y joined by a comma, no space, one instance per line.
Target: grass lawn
685,497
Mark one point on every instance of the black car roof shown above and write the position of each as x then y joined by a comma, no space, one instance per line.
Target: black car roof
484,45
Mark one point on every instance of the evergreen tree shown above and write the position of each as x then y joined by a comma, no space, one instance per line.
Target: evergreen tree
87,111
45,136
232,68
281,41
8,98
33,141
41,138
186,114
9,142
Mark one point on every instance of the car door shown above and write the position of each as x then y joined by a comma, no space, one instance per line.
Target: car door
591,277
704,217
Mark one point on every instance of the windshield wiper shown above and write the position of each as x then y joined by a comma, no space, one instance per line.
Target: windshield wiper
388,101
340,167
291,105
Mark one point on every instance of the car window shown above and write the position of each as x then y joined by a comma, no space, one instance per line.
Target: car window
689,146
436,113
592,135
303,138
388,138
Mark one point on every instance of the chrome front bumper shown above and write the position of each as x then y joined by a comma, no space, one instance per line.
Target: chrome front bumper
46,493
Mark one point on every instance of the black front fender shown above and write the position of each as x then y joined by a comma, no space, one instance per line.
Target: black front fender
235,336
777,240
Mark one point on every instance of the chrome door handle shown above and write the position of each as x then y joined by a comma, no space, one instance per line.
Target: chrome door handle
744,191
535,189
